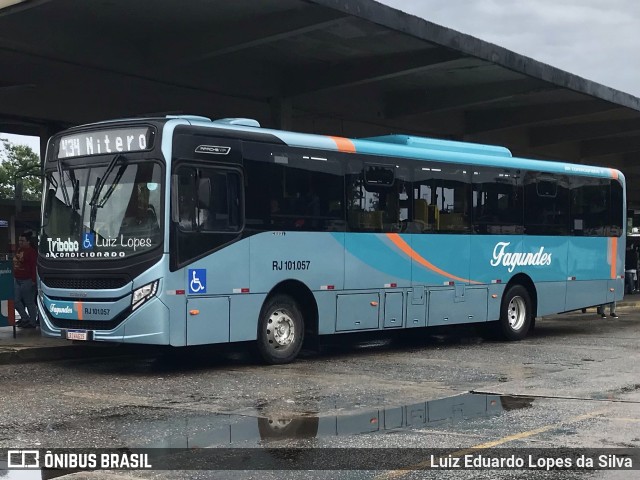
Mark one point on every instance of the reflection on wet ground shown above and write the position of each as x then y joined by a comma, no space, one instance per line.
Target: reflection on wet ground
230,430
227,430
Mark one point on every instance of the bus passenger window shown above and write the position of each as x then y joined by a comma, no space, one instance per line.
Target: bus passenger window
546,204
377,199
441,198
497,201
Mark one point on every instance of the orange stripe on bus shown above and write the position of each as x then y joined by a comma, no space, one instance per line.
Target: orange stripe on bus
402,245
79,309
613,253
344,144
614,173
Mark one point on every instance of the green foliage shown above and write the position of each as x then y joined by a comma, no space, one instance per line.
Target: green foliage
19,163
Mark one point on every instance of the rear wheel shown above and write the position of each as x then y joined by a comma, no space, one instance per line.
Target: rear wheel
280,330
515,313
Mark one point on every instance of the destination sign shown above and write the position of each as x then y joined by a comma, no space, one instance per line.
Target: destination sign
100,142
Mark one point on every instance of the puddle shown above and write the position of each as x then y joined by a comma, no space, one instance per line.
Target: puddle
226,430
219,430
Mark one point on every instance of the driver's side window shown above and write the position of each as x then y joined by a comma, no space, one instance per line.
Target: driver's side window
207,209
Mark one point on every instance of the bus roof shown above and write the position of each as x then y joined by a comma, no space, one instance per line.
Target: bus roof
398,145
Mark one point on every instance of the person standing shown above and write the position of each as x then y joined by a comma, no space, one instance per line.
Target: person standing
612,310
631,268
24,282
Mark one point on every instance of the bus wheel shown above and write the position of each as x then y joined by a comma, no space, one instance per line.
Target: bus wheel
515,313
280,330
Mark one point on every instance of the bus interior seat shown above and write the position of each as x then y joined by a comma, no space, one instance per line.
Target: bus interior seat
434,214
421,213
371,221
427,216
453,221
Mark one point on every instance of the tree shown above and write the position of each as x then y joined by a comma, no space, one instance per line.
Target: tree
19,163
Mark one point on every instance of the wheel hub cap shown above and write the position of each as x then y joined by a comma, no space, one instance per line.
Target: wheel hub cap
517,313
280,329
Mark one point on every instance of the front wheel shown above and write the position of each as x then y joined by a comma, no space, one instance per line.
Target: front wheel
515,313
280,330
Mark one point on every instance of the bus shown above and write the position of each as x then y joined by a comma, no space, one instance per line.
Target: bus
185,231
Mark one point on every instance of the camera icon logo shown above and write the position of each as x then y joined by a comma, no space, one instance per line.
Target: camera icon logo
23,459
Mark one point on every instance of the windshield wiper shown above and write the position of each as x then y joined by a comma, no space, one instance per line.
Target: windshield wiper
93,203
75,194
65,194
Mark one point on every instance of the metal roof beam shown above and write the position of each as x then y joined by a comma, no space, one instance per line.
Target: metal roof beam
420,102
555,134
369,70
486,120
255,32
609,146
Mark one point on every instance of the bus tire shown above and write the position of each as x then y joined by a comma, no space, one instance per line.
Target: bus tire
280,330
515,313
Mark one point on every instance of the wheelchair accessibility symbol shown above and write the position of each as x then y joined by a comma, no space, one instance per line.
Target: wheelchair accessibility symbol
198,280
88,241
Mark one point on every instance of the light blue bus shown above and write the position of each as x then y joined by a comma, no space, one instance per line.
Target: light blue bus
185,231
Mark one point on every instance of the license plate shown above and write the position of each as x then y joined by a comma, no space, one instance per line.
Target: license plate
77,335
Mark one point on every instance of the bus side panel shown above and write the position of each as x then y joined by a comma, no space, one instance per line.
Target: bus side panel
326,301
548,270
224,272
244,311
416,307
227,270
589,264
488,255
453,306
315,259
440,259
207,320
487,268
374,261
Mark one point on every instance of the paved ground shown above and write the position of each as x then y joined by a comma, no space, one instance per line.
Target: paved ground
29,346
572,383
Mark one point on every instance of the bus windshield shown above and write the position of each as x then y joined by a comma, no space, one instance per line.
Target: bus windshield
106,211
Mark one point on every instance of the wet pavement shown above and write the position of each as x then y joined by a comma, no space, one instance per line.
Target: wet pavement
29,346
572,383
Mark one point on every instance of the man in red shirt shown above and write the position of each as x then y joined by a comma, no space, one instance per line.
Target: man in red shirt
24,275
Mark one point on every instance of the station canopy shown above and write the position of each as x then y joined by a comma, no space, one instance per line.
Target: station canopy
339,67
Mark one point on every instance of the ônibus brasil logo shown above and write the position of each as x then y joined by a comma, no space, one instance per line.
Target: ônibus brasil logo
513,259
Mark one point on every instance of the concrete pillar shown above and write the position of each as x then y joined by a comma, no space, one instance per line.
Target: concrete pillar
281,115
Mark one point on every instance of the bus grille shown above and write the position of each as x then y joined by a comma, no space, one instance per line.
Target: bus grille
89,324
85,324
85,283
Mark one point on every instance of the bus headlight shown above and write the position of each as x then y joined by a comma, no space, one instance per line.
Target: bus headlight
142,294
